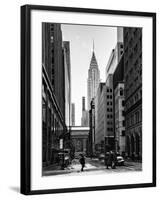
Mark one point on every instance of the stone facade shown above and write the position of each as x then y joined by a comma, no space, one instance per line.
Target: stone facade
133,91
119,118
104,122
79,137
54,130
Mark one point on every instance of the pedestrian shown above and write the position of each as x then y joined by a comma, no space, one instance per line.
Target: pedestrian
107,160
82,161
114,160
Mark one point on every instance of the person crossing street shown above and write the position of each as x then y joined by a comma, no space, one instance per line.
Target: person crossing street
82,162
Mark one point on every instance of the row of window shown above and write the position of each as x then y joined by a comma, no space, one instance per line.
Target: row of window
109,96
109,109
136,63
109,90
109,129
109,123
131,31
109,103
134,118
109,116
132,87
137,96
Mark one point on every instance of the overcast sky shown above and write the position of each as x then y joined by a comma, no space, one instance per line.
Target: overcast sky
81,45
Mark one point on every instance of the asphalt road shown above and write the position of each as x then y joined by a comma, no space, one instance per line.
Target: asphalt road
93,166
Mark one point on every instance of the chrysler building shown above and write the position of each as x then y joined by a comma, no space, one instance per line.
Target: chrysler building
93,78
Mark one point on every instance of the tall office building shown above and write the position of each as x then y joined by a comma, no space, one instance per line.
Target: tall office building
85,114
133,90
119,118
119,107
53,92
116,53
91,138
120,34
67,76
83,104
114,58
73,114
100,102
93,78
109,134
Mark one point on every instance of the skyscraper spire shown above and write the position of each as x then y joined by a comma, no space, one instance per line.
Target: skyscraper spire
93,78
93,62
93,45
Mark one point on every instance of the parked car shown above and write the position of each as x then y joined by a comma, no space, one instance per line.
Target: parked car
120,161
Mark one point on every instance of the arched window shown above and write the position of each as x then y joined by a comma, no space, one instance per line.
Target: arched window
137,144
128,145
132,144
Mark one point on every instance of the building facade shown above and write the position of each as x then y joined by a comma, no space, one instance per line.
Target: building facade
72,114
120,34
119,107
119,117
133,91
99,119
79,137
67,86
85,114
93,79
114,58
67,76
91,139
109,133
104,122
53,93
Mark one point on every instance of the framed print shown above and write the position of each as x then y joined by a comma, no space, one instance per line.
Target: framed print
88,99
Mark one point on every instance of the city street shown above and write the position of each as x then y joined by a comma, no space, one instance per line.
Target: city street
92,166
109,118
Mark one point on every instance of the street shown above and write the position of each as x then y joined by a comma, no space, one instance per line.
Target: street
92,166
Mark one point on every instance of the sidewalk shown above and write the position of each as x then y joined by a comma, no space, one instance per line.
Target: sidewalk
74,167
129,162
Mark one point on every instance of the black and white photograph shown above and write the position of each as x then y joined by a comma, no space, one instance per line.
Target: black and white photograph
80,100
88,100
91,99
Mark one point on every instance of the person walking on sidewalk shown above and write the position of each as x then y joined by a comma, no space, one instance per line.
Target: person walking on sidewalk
114,160
107,160
82,162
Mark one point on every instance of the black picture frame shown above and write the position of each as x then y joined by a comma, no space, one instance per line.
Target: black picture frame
25,182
